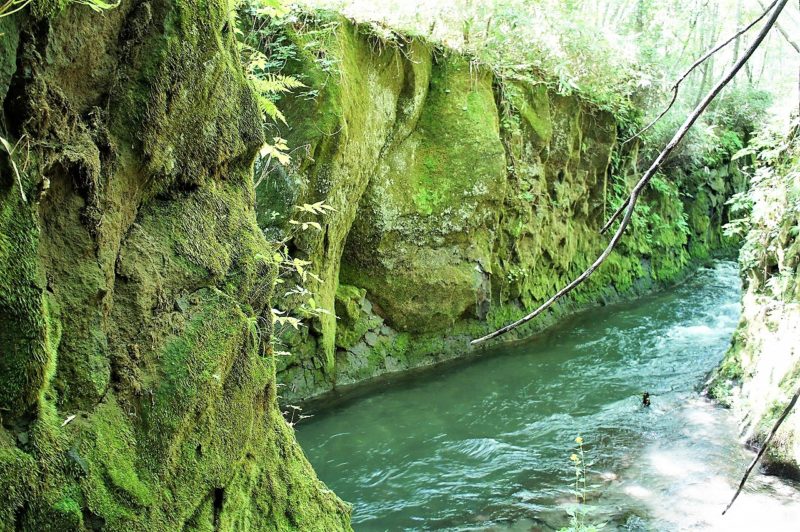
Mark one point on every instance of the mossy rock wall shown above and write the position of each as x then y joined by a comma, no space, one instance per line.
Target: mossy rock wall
461,201
761,371
137,386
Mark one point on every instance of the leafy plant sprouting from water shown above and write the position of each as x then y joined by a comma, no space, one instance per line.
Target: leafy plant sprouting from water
577,521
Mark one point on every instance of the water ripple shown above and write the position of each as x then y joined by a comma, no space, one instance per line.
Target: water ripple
486,446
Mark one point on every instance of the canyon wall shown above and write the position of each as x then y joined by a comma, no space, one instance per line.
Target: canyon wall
761,371
461,200
137,382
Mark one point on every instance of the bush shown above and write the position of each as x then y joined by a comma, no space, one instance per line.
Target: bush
741,109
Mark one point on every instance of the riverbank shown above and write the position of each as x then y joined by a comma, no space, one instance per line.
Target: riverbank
761,371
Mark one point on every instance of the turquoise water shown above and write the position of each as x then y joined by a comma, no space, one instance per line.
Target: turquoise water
486,445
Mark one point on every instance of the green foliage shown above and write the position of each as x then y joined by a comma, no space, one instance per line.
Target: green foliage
768,214
269,85
741,109
660,184
741,206
265,51
9,7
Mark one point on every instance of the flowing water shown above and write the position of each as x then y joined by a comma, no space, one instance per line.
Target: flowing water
486,445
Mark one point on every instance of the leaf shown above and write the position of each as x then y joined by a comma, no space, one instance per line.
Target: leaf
268,108
283,320
10,151
314,208
276,152
743,152
271,8
97,5
305,225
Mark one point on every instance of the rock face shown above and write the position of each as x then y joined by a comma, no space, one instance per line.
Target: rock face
761,371
461,200
137,385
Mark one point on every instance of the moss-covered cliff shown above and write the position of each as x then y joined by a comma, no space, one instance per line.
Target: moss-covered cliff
137,385
461,199
761,371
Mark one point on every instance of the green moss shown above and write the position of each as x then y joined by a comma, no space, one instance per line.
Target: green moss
46,8
729,374
26,338
354,321
112,486
345,118
450,182
442,183
533,104
137,382
18,471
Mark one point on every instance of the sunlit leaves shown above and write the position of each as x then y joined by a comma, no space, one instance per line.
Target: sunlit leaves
268,84
96,5
277,150
314,208
10,152
279,317
12,6
306,225
270,8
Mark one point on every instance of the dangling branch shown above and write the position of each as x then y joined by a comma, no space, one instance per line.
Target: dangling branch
634,195
763,448
674,89
696,64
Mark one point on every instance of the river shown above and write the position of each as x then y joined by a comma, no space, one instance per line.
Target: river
486,445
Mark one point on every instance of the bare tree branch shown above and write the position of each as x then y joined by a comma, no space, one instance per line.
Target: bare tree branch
763,448
634,196
697,63
784,34
672,101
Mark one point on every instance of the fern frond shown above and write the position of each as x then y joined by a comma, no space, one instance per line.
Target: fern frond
268,108
275,83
